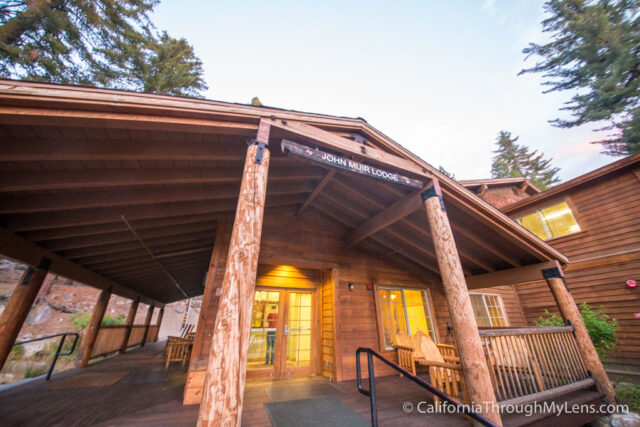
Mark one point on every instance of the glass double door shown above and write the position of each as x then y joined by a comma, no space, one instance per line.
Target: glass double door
281,343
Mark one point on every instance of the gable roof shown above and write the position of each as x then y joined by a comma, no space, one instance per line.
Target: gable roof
585,179
150,133
499,182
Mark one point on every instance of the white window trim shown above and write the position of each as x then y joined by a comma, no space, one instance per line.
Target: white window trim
486,308
425,294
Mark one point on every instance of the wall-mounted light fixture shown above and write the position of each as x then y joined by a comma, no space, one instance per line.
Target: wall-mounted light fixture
351,286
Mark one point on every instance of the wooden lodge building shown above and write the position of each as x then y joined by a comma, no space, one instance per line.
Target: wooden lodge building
309,237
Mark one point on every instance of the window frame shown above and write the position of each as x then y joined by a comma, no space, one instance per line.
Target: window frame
573,212
378,307
486,308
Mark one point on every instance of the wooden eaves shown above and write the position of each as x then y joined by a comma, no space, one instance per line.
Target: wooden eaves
34,104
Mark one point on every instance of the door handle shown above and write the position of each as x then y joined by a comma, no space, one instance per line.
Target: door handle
286,330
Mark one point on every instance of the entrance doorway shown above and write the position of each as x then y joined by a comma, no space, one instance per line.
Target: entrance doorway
282,337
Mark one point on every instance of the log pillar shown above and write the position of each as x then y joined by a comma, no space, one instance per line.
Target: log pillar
158,324
569,311
17,309
465,328
91,332
131,317
227,367
147,323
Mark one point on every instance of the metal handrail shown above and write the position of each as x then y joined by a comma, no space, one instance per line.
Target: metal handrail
58,350
462,408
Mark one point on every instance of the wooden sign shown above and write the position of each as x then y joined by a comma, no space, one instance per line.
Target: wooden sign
347,164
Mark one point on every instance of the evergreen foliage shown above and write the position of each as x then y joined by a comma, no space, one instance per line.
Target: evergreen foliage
513,160
104,43
601,328
446,172
595,51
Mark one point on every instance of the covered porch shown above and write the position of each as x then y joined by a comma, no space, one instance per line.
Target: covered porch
160,199
135,390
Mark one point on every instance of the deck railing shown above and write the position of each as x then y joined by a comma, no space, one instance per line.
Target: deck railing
109,339
528,364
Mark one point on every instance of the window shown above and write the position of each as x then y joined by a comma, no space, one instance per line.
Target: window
553,221
404,311
488,310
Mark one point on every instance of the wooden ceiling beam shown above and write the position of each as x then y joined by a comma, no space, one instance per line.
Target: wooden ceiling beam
405,211
125,255
117,227
384,242
385,218
316,191
22,250
125,236
70,200
143,264
126,246
45,150
484,245
42,180
513,276
348,146
75,118
77,217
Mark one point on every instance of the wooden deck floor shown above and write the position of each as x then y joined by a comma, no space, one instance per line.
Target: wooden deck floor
135,390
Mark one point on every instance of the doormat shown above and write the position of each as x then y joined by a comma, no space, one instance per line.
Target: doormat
318,412
95,379
300,391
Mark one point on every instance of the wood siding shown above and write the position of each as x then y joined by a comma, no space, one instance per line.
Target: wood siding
314,244
604,255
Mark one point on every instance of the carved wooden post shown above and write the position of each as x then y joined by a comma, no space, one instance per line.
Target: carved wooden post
17,309
159,323
91,332
131,317
226,372
147,323
560,290
465,327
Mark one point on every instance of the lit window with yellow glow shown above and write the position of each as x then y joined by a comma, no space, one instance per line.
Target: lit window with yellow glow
404,311
553,221
488,310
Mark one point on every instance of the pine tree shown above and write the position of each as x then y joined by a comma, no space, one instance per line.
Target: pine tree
514,160
595,51
104,43
446,172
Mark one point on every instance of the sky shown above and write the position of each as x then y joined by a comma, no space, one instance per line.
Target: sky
439,77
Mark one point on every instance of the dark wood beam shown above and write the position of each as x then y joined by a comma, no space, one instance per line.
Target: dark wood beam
348,146
512,276
40,180
40,221
59,117
134,244
385,218
316,191
43,150
70,200
22,250
125,236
